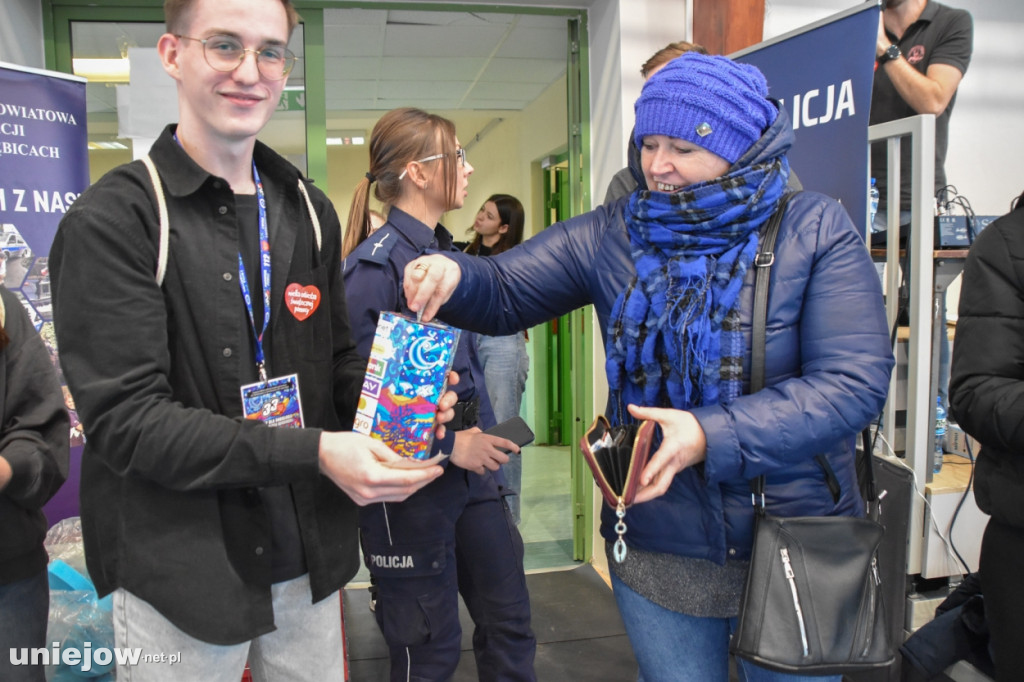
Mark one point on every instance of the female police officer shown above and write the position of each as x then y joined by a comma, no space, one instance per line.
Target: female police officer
456,534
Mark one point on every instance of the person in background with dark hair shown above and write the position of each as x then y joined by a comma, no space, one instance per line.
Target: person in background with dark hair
220,535
986,392
499,226
456,535
629,178
33,466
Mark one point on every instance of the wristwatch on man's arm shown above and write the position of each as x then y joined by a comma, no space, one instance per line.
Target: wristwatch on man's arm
891,52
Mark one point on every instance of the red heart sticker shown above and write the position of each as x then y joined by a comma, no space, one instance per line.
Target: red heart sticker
302,301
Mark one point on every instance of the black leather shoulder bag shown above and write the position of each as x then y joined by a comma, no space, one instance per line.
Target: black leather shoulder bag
813,601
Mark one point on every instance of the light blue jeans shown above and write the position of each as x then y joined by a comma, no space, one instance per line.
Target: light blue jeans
673,647
506,366
306,646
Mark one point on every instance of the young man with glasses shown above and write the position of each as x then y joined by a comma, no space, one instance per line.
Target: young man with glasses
221,539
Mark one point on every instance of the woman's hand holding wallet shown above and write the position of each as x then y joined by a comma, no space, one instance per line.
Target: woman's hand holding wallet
682,445
623,467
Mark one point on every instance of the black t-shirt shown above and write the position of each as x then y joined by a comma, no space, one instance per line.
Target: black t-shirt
287,560
941,35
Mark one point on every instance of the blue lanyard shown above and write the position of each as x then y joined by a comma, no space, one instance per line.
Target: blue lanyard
243,281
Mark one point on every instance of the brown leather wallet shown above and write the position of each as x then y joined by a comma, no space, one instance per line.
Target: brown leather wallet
616,456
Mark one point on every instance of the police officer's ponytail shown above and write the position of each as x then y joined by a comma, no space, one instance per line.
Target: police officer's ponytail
400,136
358,227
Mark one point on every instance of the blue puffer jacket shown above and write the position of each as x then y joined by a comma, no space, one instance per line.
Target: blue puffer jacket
828,362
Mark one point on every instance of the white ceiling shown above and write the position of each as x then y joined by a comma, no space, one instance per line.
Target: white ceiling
381,59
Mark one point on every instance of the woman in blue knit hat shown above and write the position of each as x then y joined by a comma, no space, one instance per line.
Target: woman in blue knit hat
670,273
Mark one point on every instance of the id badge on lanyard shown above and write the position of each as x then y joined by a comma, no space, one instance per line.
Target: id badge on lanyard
275,401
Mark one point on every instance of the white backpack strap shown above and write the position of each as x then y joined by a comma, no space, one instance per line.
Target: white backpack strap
312,213
161,262
158,189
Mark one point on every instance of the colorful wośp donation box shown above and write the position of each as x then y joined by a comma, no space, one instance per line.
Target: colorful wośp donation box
405,378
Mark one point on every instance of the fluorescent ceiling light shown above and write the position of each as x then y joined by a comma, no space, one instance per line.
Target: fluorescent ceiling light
102,70
346,137
107,145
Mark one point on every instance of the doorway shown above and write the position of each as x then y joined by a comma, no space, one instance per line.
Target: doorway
510,80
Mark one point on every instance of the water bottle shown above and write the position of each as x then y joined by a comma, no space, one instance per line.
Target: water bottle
873,197
940,434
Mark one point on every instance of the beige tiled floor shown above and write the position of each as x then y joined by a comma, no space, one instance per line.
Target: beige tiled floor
546,524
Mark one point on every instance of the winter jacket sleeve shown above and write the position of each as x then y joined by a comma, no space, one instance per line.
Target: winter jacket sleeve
828,355
987,375
548,275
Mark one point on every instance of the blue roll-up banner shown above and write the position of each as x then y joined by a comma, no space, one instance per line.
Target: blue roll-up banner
44,166
822,74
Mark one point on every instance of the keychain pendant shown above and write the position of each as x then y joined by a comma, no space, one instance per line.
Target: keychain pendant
619,548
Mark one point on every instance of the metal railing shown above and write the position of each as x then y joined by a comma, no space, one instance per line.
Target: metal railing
920,406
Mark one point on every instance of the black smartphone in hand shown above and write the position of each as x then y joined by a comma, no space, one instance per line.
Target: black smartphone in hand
515,429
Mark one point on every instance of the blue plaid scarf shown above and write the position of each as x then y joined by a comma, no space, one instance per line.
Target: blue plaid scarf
674,334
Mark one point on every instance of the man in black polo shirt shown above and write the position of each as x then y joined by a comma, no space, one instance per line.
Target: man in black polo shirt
923,51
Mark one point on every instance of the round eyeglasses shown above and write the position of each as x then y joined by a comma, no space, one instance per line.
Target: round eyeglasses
226,53
460,153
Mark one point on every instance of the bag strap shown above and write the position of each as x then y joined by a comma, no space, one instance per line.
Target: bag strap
165,229
312,213
763,262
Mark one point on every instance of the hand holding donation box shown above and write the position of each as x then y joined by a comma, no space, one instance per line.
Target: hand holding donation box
405,378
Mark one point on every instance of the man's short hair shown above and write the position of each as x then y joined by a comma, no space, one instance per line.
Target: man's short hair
176,15
667,54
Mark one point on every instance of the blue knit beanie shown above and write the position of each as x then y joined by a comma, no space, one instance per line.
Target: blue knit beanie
709,100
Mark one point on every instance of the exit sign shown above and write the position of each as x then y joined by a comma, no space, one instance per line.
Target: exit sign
292,100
